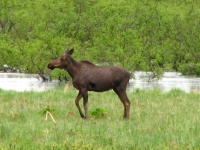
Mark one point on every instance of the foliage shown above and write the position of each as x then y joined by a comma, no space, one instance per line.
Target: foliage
47,109
143,35
98,112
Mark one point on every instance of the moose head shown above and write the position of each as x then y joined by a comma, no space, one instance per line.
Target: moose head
62,61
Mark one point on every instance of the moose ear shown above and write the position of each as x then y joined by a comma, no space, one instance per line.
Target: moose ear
69,52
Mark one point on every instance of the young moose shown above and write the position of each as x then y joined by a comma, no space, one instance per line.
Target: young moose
88,77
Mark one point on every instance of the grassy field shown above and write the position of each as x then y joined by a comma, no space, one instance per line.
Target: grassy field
157,121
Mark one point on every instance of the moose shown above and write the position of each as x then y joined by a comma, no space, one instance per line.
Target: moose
87,76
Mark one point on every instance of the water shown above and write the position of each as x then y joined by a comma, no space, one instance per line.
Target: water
170,80
25,82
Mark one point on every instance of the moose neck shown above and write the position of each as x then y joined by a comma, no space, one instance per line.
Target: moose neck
72,67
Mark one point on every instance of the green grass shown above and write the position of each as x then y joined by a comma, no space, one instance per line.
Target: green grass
157,121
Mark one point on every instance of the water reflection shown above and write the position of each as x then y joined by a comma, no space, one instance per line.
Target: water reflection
170,80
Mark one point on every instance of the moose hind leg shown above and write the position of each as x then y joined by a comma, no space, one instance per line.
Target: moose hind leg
124,99
79,96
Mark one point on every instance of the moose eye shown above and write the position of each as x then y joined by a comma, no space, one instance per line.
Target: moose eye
61,58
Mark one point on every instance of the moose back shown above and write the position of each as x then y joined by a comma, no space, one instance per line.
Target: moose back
86,76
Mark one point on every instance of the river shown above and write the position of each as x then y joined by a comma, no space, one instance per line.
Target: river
170,80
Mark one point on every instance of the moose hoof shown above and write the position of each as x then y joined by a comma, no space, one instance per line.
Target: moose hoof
83,117
126,118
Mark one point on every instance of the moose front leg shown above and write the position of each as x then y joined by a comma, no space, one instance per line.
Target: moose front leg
85,101
79,96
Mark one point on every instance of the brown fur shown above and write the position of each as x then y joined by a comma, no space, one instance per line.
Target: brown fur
86,76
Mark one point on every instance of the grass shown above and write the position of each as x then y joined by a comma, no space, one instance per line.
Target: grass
157,121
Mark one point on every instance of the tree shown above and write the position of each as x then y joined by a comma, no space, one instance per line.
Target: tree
141,35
